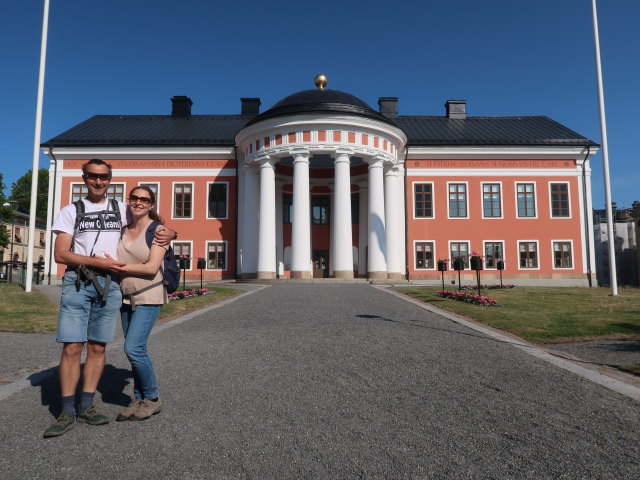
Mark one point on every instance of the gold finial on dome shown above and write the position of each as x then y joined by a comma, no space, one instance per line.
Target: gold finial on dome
320,81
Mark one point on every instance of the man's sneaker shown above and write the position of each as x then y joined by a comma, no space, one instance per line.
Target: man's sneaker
146,409
90,416
128,412
63,423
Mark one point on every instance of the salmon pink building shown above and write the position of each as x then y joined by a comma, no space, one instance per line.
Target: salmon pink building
322,185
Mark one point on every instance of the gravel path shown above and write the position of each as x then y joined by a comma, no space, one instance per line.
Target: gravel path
333,381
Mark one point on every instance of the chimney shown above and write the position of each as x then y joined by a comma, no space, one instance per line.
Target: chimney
456,109
388,106
250,106
181,106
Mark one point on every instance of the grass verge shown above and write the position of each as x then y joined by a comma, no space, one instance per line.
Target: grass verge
26,312
551,315
22,312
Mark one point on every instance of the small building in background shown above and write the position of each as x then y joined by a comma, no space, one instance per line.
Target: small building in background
14,256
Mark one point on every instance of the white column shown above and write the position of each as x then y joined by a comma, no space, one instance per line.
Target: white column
250,222
401,220
279,233
332,226
267,220
363,231
377,265
343,243
301,224
391,214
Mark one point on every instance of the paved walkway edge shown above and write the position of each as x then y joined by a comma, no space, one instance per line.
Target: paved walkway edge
606,381
24,382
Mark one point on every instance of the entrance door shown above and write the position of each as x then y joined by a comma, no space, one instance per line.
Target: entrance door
320,263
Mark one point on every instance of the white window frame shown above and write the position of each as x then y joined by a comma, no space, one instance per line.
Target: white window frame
157,193
528,269
173,200
226,255
415,257
450,256
190,242
433,200
568,198
466,183
553,258
484,253
535,198
226,200
124,190
482,184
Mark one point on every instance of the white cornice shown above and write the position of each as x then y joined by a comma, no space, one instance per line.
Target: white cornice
499,152
492,172
138,172
156,152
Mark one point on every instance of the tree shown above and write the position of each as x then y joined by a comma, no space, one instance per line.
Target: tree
5,215
21,193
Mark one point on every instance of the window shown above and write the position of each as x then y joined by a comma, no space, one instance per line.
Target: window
155,188
493,251
320,210
287,208
526,198
217,200
423,200
42,242
562,255
115,191
491,200
457,200
216,256
460,249
182,200
424,254
559,199
528,254
17,235
182,249
78,191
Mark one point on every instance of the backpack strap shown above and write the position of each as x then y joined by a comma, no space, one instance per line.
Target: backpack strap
79,204
116,208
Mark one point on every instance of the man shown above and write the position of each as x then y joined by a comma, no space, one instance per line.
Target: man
91,297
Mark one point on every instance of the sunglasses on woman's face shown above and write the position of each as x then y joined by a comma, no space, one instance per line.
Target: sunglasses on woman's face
142,200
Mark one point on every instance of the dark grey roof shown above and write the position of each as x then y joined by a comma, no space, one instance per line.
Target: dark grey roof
220,130
537,130
153,130
320,101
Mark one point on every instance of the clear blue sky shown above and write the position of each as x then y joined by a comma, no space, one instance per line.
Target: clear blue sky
505,57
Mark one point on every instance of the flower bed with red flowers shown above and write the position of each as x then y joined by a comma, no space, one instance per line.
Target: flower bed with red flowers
469,298
196,292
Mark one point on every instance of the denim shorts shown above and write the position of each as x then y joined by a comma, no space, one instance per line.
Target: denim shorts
83,315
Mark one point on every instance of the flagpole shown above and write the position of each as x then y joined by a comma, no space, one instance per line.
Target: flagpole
613,277
36,150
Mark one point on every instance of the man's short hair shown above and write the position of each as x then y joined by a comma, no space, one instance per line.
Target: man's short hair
95,161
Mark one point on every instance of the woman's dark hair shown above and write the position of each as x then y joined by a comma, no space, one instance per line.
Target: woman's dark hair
152,214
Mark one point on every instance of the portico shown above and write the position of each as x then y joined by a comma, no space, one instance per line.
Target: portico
315,145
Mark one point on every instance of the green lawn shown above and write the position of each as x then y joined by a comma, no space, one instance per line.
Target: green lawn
551,315
34,313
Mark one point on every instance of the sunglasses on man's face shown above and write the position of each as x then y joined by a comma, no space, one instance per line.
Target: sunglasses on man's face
142,200
95,176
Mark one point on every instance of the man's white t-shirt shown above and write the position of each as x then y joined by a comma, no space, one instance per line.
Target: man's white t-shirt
96,220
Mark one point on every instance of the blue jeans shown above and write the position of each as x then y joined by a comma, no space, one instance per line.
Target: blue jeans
136,326
83,315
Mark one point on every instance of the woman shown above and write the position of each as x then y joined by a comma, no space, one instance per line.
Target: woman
141,308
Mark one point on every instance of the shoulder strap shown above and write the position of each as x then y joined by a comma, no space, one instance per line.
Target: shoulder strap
116,208
79,204
151,232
